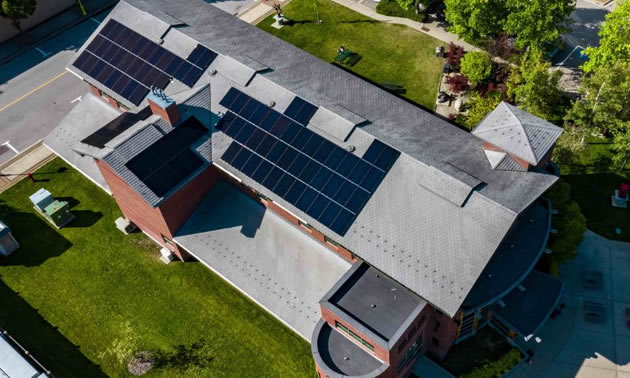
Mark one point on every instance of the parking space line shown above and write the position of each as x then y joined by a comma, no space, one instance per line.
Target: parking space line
45,54
32,91
8,144
95,20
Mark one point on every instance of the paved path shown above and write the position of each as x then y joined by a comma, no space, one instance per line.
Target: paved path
430,28
573,347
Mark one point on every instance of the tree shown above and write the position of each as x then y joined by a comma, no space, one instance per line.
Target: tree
457,83
535,89
475,19
479,106
538,22
418,5
605,100
569,222
476,66
614,40
17,10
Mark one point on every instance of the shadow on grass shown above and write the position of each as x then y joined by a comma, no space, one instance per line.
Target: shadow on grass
84,218
42,339
33,233
593,193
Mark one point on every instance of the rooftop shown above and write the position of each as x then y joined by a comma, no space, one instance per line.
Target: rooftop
342,357
374,300
435,244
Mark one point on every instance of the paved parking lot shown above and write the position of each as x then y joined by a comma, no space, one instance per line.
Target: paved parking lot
572,346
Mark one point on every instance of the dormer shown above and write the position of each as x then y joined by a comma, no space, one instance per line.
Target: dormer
515,140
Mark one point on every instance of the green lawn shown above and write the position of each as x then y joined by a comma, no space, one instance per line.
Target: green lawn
593,179
83,298
390,53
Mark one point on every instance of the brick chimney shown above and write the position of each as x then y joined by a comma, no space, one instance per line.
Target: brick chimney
163,106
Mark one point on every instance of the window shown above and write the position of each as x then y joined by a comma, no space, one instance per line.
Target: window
358,338
414,350
435,341
436,327
421,321
167,240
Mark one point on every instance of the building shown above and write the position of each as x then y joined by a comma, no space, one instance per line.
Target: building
371,227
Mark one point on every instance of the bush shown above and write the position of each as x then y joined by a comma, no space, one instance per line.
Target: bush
454,56
477,66
391,8
457,83
497,368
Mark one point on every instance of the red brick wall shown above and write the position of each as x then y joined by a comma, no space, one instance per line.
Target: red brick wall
421,331
446,334
170,114
170,215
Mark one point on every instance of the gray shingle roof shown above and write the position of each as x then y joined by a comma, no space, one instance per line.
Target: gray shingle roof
518,132
440,212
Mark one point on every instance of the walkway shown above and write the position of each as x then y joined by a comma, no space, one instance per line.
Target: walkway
574,347
27,161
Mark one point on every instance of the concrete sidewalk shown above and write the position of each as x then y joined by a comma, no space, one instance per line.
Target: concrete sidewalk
20,165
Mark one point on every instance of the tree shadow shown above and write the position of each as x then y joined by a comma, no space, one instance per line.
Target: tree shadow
297,22
43,341
198,355
38,240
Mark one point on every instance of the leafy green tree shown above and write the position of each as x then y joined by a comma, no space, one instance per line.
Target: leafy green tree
614,40
569,222
418,5
475,19
535,89
537,22
17,10
605,100
479,106
476,66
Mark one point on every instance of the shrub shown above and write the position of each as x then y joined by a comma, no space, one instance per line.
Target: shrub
496,368
477,66
392,8
457,83
454,56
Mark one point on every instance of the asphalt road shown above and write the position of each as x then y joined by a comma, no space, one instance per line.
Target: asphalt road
36,92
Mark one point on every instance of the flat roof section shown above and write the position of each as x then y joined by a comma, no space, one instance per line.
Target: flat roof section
336,354
376,301
283,269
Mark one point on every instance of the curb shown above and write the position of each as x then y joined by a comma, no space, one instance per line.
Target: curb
56,32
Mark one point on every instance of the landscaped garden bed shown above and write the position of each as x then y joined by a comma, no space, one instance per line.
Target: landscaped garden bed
85,299
487,355
390,54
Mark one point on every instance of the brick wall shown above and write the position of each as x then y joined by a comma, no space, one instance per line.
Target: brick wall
446,334
169,216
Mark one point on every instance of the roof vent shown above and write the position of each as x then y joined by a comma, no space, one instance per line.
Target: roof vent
271,104
350,148
160,41
212,72
346,358
373,305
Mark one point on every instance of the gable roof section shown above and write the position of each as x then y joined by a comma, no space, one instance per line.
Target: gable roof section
520,133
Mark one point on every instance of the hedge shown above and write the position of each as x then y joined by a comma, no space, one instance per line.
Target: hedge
496,368
391,8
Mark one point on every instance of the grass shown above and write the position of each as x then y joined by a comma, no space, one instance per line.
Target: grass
83,298
593,179
486,346
390,53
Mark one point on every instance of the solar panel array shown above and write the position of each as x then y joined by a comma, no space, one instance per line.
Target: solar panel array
170,160
325,181
114,128
130,64
300,111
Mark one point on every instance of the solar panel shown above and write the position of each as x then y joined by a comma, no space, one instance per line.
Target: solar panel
130,64
170,160
318,177
114,128
300,110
